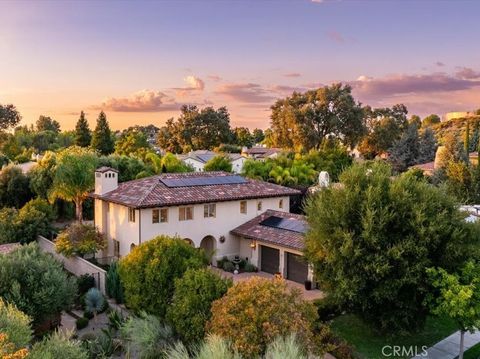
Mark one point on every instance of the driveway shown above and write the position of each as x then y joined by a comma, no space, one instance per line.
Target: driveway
306,294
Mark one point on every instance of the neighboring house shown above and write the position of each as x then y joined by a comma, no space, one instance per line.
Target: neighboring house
198,159
24,167
200,207
473,212
261,153
429,168
274,242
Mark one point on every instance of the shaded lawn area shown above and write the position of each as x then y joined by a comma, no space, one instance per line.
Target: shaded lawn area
369,344
472,353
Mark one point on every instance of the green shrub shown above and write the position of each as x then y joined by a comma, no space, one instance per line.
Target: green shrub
228,266
58,345
192,301
80,239
327,309
36,283
94,301
84,283
15,324
149,271
81,323
113,283
249,267
88,315
146,337
115,319
220,262
101,346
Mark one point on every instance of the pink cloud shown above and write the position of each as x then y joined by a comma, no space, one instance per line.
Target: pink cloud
142,101
292,74
336,36
215,78
467,73
194,84
245,92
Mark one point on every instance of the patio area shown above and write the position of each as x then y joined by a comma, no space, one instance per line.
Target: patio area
306,294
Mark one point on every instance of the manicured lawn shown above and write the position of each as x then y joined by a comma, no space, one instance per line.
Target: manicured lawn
472,353
369,344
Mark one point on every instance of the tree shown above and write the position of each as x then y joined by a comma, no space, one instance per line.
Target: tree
414,119
46,123
14,187
74,177
258,136
102,140
146,336
171,164
36,283
304,120
371,239
458,297
15,324
195,129
243,137
9,117
332,157
58,345
405,151
83,135
113,283
256,311
41,175
132,143
80,239
385,126
430,120
192,300
467,140
427,146
149,271
219,163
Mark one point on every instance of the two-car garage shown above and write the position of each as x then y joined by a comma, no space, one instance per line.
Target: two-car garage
295,269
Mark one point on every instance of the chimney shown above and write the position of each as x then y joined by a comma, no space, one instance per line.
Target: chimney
106,180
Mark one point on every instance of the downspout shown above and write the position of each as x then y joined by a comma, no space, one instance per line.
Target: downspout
139,226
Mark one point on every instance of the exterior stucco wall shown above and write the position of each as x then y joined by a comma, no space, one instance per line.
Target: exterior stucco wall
197,165
227,217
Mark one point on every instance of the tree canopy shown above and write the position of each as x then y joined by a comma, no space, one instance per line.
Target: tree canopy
102,139
219,163
303,121
149,271
46,123
9,116
392,229
83,135
74,176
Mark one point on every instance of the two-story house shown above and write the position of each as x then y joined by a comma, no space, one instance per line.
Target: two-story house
198,159
201,207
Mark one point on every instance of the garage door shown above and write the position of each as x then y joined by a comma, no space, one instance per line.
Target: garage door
270,259
297,269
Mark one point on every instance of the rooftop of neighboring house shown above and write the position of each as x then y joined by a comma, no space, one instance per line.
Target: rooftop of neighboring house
173,189
9,247
473,212
261,152
279,228
429,167
204,156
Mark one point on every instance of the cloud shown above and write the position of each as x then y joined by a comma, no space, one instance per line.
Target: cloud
410,84
245,92
194,84
467,73
439,64
215,78
292,74
142,101
336,37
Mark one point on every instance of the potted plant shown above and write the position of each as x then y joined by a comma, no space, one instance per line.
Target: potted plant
308,284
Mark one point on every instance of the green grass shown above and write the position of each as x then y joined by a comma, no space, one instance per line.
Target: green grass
472,353
368,344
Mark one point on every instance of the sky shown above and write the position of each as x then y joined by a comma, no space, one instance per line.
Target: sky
140,61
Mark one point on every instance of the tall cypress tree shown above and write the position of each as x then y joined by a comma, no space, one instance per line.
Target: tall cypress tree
102,140
83,135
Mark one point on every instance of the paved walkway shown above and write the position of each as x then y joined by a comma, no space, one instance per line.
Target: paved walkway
448,348
306,294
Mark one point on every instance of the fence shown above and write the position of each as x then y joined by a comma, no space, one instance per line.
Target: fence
75,265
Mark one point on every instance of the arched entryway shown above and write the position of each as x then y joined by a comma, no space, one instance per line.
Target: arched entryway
189,241
208,245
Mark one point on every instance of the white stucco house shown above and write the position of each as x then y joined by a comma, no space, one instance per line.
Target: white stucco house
223,213
198,159
261,153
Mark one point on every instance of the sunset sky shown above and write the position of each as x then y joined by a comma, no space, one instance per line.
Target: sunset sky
140,61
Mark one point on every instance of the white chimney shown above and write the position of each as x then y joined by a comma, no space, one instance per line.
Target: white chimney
106,180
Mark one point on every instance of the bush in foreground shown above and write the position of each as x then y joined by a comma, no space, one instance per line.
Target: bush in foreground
36,283
192,301
58,345
15,324
148,272
255,312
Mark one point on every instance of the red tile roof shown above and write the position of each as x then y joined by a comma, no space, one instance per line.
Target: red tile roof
151,192
280,237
